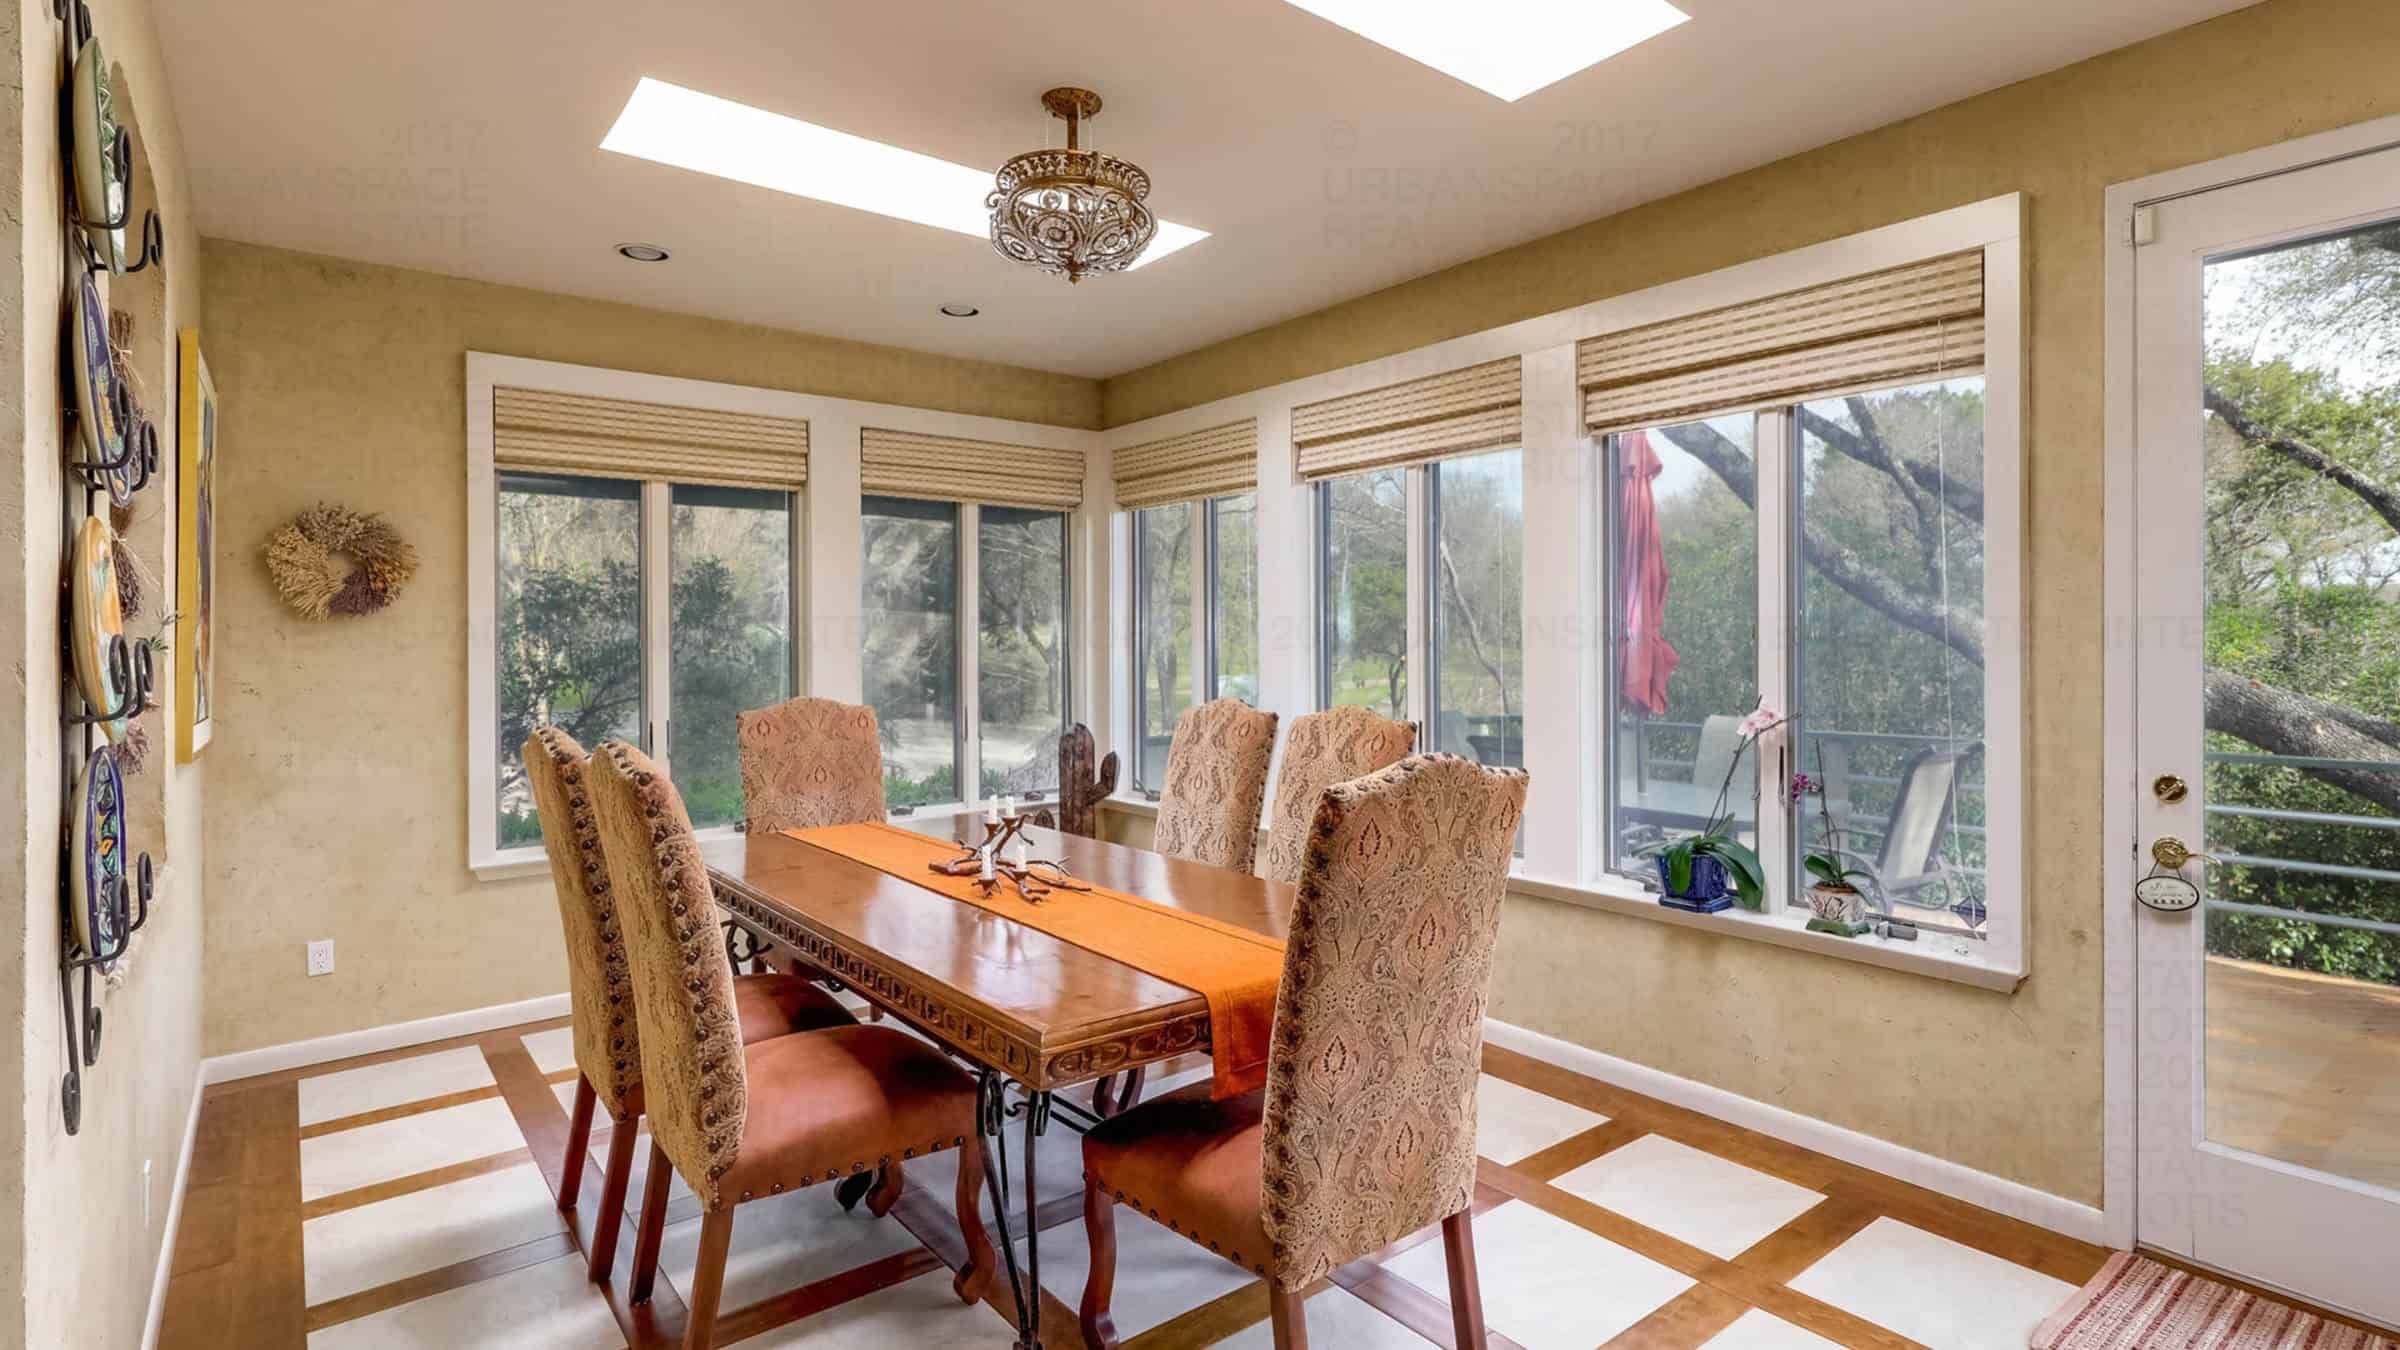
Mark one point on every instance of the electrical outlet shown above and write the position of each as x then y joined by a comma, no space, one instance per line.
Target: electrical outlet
320,957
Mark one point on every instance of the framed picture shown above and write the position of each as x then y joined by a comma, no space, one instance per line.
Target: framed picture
196,552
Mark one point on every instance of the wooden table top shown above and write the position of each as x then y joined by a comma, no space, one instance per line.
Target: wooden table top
1043,1010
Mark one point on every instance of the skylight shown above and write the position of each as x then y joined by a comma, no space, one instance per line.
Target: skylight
1506,48
669,124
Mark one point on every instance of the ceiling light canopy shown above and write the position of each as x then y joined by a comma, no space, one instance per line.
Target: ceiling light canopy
668,124
1506,48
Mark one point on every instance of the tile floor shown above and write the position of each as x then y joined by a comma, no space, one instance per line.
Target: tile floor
408,1200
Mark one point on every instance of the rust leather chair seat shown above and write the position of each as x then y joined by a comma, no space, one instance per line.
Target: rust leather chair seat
770,1007
1191,1164
836,1103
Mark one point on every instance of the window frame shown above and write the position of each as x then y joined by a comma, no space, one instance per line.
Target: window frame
1206,623
654,552
1565,607
826,651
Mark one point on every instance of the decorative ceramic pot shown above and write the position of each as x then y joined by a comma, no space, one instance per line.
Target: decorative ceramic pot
1839,910
1708,893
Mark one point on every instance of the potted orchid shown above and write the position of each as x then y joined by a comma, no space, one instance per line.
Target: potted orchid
1696,872
1836,904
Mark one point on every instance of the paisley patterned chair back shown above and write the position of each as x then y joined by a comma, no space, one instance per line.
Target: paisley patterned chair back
695,1088
599,984
808,762
1322,749
1216,780
1370,1106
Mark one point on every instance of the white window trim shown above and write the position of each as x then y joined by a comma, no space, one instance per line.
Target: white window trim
1565,627
826,542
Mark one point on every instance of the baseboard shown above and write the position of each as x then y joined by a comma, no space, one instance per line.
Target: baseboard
324,1049
1998,1194
166,1244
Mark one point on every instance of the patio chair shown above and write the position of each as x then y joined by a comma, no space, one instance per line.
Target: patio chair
1910,861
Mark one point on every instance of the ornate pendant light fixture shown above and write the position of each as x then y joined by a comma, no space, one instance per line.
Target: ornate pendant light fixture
1071,211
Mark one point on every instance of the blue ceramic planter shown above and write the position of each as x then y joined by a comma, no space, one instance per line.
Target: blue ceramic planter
1711,890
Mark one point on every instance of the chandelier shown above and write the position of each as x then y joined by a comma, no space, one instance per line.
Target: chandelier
1071,211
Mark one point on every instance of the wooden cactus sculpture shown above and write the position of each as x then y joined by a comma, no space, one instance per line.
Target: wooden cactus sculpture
1080,787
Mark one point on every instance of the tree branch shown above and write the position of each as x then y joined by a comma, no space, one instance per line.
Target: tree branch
2383,500
2282,722
1960,494
1962,631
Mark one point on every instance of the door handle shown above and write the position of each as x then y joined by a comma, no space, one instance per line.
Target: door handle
2172,853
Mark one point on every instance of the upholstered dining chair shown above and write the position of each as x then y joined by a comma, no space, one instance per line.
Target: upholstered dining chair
600,989
808,762
1365,1131
742,1122
1216,781
1322,749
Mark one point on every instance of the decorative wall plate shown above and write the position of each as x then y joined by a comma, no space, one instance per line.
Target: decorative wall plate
98,617
99,192
98,863
95,390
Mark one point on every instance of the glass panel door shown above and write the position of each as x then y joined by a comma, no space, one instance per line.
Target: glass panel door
2268,575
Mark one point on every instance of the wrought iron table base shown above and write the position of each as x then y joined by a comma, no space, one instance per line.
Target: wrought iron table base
994,1111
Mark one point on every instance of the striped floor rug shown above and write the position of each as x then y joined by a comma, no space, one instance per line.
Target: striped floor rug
2137,1304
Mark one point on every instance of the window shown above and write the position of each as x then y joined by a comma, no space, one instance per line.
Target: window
592,639
1881,664
926,565
1021,665
909,620
1890,485
1363,599
1195,617
1682,546
1475,687
570,624
729,630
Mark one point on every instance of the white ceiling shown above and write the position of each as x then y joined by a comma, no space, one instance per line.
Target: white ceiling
462,136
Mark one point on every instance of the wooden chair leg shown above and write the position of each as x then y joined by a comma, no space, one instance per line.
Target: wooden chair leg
1100,1285
888,1186
1466,1288
708,1279
613,1184
975,1277
1288,1316
653,1226
579,1141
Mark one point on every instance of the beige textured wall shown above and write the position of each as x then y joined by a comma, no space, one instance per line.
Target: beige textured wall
76,1255
2009,1085
341,747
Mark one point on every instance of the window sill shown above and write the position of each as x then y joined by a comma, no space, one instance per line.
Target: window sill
1132,806
514,864
1932,955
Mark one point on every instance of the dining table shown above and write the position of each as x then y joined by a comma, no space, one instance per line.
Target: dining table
1031,1015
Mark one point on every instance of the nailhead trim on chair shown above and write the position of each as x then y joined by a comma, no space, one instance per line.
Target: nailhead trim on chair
835,1173
1172,1224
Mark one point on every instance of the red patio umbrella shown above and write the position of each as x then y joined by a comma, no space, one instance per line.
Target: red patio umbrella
1649,662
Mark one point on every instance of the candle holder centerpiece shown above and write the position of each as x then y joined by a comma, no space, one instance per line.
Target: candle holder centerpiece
1003,858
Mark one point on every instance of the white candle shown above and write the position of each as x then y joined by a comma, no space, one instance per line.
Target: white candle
1016,850
991,810
983,865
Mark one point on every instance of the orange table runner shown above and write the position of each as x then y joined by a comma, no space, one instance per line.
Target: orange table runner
1235,969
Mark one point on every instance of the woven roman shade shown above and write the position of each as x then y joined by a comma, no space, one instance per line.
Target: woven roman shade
543,431
1915,322
953,468
1471,409
1213,462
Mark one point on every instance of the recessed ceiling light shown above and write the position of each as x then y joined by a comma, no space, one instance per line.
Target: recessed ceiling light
1506,48
643,252
961,311
669,124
